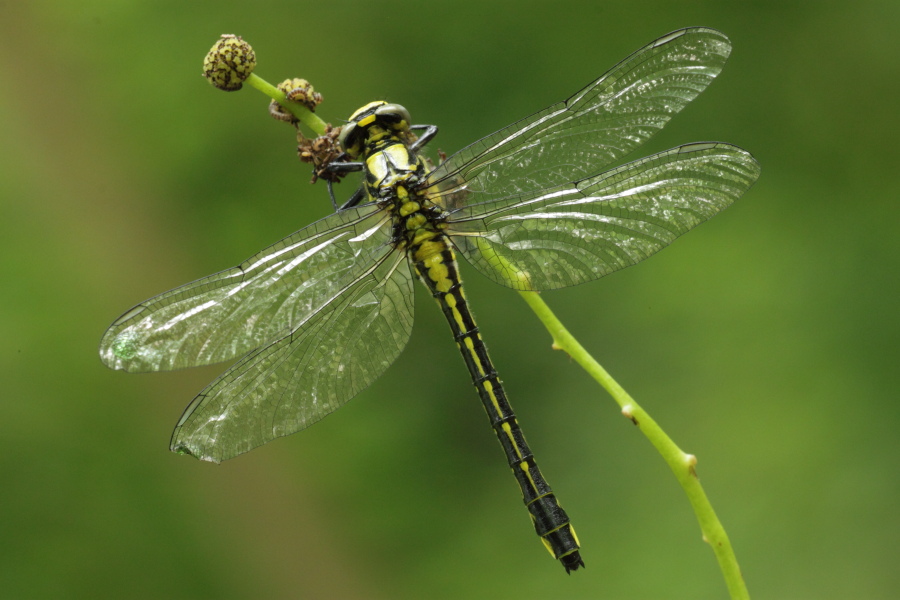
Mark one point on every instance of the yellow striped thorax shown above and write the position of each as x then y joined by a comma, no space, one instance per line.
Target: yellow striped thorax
378,134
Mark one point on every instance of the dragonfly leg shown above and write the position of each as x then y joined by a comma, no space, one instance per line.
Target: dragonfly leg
331,195
430,132
355,199
341,167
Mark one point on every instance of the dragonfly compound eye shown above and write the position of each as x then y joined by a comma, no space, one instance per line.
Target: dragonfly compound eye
394,116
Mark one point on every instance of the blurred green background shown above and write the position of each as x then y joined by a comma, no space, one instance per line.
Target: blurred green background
765,342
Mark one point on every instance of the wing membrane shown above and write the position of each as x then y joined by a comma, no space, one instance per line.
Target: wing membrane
230,313
598,125
296,380
584,230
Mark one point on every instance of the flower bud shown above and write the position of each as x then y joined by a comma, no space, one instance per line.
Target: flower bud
295,90
229,62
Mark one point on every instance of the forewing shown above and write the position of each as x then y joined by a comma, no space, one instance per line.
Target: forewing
230,313
584,230
598,125
296,380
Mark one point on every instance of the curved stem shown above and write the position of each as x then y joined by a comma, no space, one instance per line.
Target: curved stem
682,464
305,116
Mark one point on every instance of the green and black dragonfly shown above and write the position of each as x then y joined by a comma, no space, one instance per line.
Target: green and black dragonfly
321,314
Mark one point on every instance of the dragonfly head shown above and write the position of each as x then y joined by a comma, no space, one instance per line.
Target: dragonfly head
373,121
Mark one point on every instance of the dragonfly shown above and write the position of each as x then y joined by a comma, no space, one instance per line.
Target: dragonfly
318,316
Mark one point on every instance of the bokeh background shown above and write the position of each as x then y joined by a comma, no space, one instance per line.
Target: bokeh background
765,342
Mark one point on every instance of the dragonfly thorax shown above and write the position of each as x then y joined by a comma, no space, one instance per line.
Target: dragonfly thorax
390,164
379,135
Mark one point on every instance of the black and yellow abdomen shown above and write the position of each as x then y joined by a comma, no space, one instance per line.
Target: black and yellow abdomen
435,262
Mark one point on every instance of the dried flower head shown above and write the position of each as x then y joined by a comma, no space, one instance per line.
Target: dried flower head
296,90
229,62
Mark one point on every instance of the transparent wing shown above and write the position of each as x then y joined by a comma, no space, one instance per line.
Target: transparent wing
230,313
598,125
587,229
296,380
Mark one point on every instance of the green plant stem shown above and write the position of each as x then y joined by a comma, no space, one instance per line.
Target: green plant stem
302,113
682,464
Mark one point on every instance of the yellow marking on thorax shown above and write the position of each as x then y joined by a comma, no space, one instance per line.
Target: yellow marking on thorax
377,166
389,166
408,208
415,222
377,133
373,159
399,156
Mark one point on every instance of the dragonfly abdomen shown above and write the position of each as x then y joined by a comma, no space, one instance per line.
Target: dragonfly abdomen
435,262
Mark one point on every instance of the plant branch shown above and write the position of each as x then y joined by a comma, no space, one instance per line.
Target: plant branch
302,113
683,465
